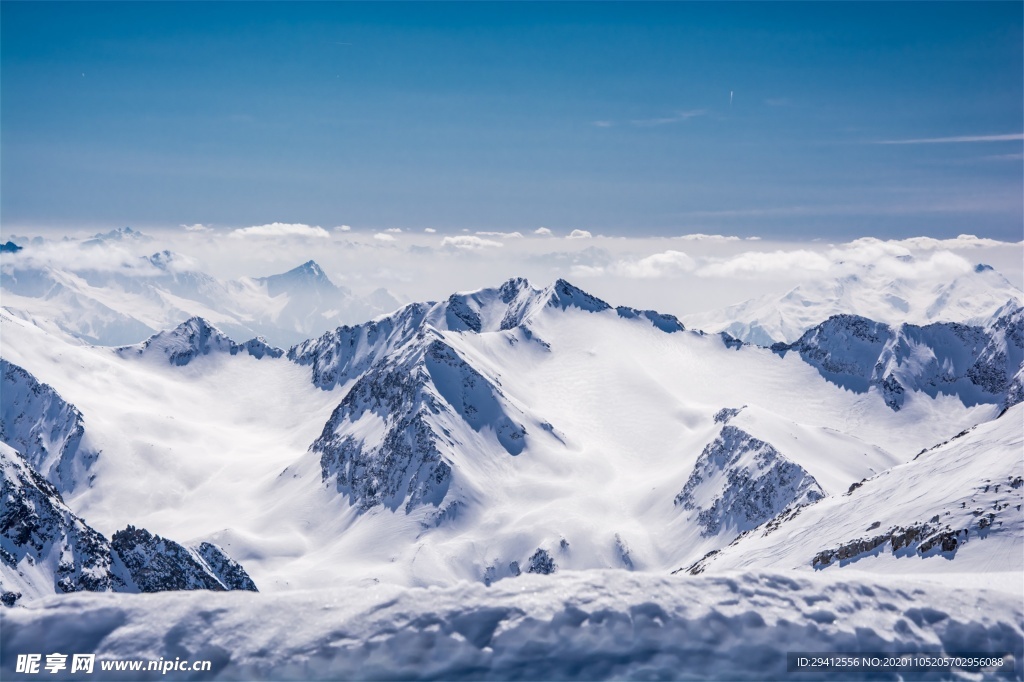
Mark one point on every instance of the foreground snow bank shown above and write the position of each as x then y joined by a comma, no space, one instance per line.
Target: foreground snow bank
588,625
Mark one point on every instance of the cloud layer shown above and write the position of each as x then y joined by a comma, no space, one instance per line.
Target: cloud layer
282,230
680,275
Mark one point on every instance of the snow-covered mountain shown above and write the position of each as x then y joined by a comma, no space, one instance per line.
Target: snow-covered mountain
120,234
504,431
958,502
195,337
45,428
973,298
116,307
974,363
541,461
47,548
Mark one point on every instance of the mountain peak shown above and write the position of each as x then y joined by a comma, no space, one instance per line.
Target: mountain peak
982,267
121,234
308,276
563,294
190,339
310,268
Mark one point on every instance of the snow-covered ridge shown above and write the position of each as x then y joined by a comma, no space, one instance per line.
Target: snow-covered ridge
193,338
740,482
37,421
47,548
977,364
44,546
393,439
341,355
959,502
496,433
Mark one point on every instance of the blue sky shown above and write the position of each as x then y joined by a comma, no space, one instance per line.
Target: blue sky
615,118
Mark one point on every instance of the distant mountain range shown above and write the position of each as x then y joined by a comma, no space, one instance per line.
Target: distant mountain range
113,308
976,297
508,430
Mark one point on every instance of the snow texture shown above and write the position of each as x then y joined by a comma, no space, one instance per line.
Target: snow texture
594,625
36,421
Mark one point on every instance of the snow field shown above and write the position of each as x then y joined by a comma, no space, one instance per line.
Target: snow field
590,625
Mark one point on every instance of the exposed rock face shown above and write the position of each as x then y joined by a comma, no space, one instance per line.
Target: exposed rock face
403,465
666,323
40,535
156,564
726,413
563,295
347,352
228,572
196,337
920,539
46,429
978,364
541,562
260,348
740,482
844,345
420,398
45,547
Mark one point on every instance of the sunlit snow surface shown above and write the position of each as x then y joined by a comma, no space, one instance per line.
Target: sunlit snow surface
618,410
585,625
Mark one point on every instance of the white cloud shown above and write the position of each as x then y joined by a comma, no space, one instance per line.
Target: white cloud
707,237
665,264
505,235
72,256
678,117
394,230
281,230
894,259
469,242
198,227
343,228
758,263
602,124
579,234
1011,137
964,241
429,230
586,271
380,236
544,232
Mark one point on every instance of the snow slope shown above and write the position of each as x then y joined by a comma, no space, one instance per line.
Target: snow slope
971,298
955,506
476,438
592,625
47,548
43,427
